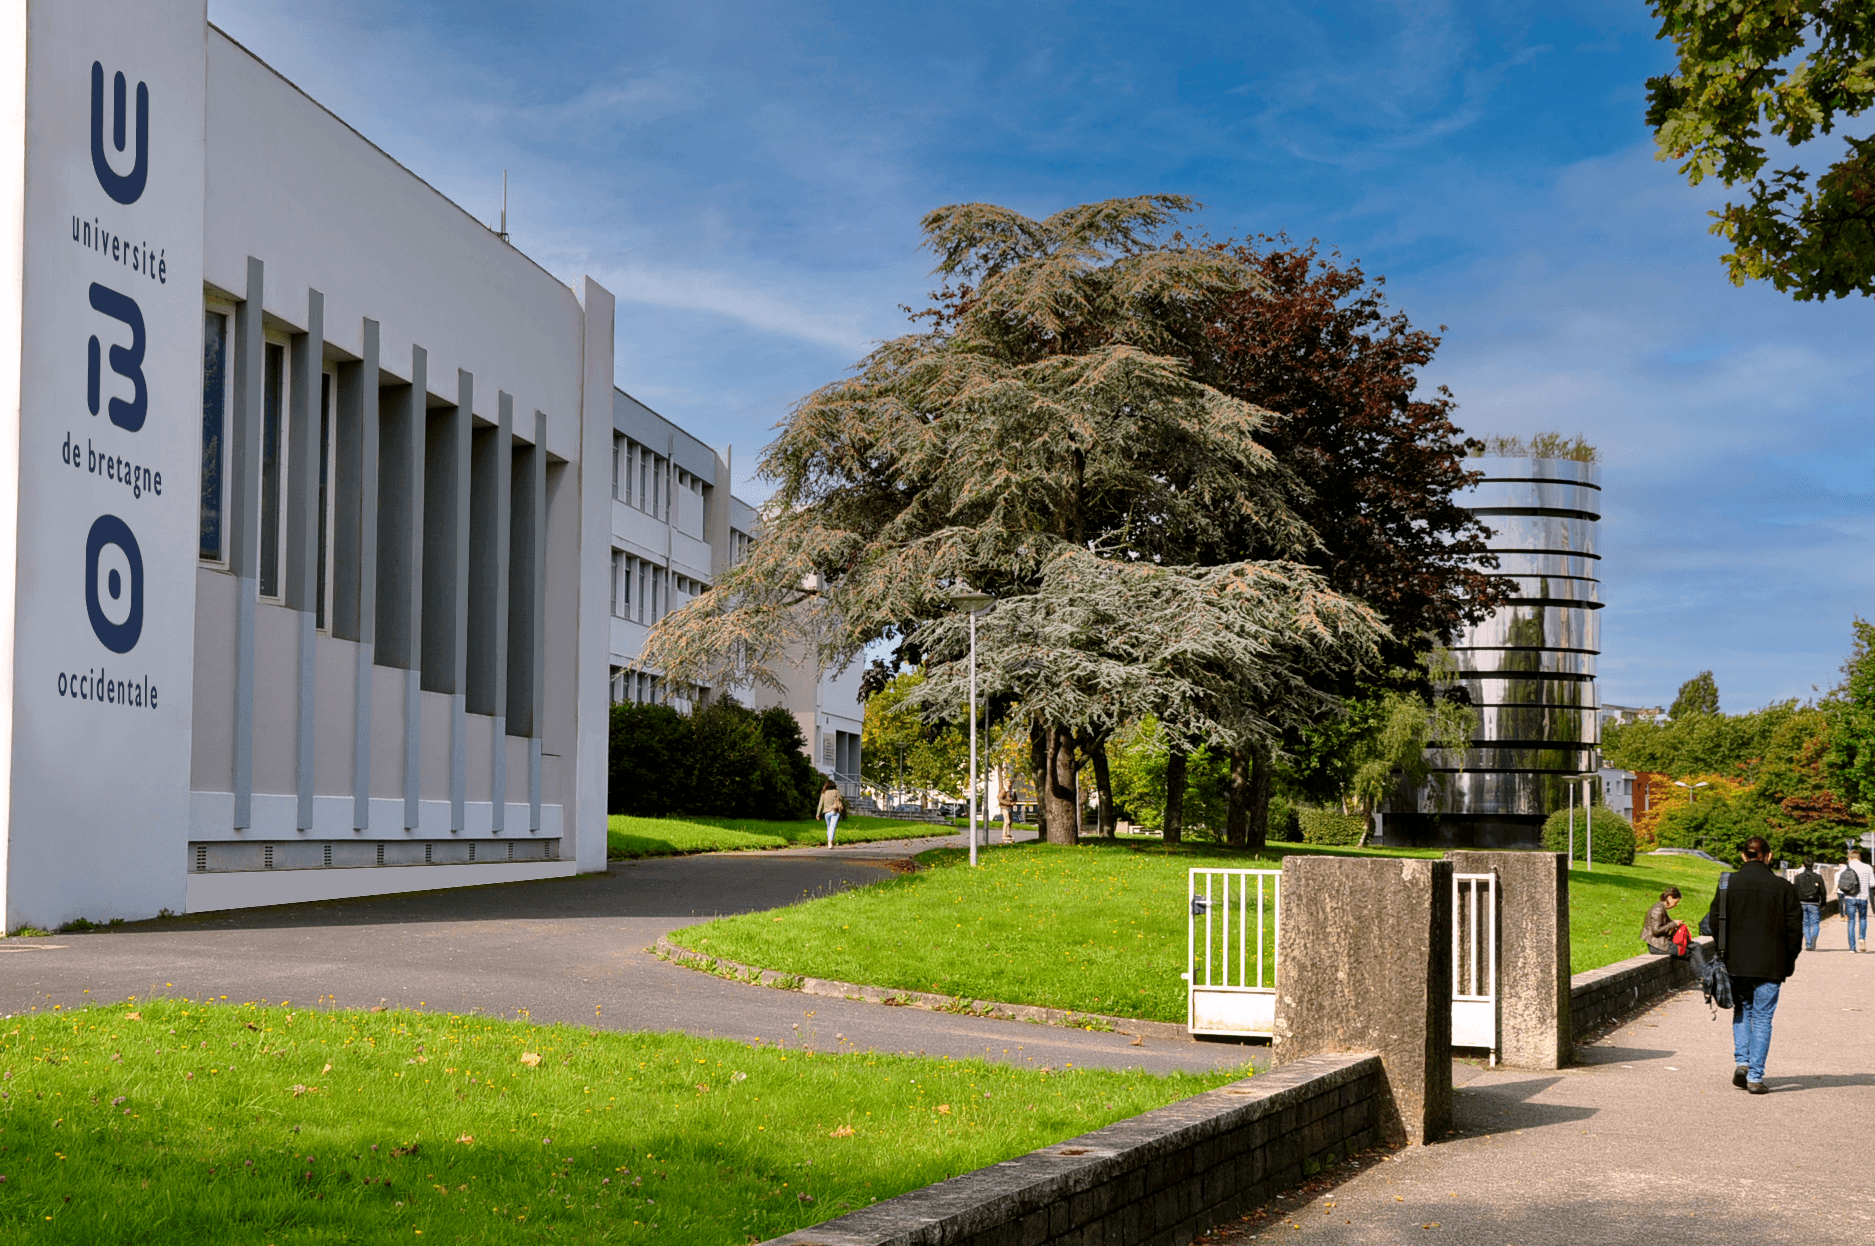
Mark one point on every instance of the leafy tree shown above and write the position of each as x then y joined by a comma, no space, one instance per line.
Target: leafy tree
1851,754
900,749
1698,695
1139,756
1046,441
1752,72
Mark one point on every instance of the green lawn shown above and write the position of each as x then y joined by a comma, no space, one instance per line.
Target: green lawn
1606,904
667,837
1099,927
172,1121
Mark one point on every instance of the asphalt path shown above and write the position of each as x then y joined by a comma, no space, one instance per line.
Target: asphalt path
562,950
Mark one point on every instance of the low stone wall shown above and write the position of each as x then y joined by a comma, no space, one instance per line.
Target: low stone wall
1599,996
1153,1180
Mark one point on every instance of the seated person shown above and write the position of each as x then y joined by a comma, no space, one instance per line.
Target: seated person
1663,935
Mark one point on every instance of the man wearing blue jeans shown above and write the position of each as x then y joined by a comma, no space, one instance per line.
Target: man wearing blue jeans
1757,927
1812,894
1855,907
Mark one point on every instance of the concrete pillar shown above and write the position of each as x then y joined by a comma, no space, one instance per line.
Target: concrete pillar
302,521
1534,1025
1367,966
355,549
243,537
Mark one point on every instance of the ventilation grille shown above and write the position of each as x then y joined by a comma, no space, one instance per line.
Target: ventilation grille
427,849
471,852
328,854
266,862
380,854
201,857
510,852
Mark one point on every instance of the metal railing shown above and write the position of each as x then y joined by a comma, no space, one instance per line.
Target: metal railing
1233,948
1474,961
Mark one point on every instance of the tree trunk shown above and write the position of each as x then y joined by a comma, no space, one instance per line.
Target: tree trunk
1174,797
1058,796
1237,813
1038,775
1103,783
1257,802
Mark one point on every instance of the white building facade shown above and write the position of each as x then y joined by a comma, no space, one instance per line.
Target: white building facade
675,527
308,490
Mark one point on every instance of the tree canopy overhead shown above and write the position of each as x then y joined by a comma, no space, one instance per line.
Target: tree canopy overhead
1045,440
1751,73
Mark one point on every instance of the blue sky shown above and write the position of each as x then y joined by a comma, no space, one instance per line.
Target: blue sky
748,180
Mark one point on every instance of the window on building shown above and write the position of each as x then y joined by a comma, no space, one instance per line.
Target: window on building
621,584
214,425
619,445
273,470
826,747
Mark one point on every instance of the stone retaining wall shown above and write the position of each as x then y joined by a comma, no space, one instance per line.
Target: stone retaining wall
1153,1180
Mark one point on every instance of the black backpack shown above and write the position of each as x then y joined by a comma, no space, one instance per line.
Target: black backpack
1849,882
1714,982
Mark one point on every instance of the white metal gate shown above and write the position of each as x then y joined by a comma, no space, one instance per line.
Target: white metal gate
1230,979
1474,961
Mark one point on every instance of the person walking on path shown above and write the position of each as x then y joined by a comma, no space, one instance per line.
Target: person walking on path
832,805
1812,892
1852,888
1757,927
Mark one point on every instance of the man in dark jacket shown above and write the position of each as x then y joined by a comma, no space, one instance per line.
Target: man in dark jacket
1812,893
1757,926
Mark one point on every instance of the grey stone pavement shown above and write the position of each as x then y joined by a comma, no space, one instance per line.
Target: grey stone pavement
1645,1141
561,950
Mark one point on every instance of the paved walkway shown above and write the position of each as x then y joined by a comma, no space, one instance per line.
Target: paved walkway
568,950
1646,1142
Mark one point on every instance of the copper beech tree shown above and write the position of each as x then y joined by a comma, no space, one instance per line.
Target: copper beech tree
1050,439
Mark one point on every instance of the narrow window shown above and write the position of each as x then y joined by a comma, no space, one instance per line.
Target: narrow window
272,469
322,565
621,592
214,408
643,569
618,465
644,470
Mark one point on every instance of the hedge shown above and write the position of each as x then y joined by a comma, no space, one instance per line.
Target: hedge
1613,834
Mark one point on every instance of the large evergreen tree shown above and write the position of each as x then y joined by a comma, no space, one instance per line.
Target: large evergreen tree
1046,440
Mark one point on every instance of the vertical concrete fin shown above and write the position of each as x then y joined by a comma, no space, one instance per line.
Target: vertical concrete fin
412,585
359,433
243,541
303,521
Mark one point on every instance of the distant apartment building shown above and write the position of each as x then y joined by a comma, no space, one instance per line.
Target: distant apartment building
675,527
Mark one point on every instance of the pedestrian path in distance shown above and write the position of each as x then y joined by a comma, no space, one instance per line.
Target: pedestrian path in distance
1645,1141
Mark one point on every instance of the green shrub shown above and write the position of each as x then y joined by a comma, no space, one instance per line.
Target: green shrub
1326,826
1285,827
723,760
650,774
1614,835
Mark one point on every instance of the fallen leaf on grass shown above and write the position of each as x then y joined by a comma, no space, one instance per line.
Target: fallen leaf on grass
844,1131
133,1016
467,1139
530,1058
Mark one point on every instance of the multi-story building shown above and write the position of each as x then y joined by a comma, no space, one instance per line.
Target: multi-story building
675,526
322,523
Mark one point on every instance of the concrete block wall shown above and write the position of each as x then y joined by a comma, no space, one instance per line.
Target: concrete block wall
1153,1180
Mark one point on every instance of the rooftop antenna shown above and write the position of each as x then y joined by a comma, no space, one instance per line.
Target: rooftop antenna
503,231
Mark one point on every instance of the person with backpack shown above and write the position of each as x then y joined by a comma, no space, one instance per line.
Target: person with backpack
1853,885
1812,893
1757,932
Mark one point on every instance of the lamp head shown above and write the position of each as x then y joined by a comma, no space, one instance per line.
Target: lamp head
968,599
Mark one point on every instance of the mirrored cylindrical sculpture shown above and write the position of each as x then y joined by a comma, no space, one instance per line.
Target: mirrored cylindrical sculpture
1529,669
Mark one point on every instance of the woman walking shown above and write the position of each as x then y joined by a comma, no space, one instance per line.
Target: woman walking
832,805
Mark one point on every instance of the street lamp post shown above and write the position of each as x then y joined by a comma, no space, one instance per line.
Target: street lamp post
973,603
1588,828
